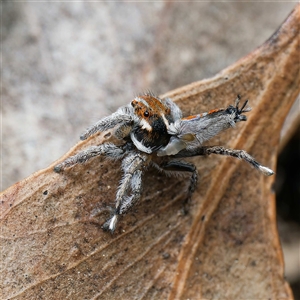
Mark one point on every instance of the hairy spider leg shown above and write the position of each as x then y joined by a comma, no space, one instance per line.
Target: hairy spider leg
132,180
107,149
175,166
241,154
119,117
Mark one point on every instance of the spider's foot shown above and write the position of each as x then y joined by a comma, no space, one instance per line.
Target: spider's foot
184,210
58,168
186,205
110,224
265,170
84,136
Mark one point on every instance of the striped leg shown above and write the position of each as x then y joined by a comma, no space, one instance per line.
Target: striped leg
107,149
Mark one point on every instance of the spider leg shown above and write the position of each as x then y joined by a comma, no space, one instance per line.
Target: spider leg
121,116
241,154
131,182
175,167
107,149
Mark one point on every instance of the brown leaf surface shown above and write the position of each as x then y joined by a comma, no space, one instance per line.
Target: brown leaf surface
226,247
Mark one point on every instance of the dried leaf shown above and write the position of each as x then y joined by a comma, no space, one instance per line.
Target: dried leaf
226,247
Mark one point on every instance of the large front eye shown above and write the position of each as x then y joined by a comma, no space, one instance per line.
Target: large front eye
146,114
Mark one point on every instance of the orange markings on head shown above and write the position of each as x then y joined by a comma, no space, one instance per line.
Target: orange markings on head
134,103
149,107
155,104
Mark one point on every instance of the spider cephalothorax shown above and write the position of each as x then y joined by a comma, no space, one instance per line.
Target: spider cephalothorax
154,117
150,127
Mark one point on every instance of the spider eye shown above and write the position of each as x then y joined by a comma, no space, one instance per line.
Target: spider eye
146,114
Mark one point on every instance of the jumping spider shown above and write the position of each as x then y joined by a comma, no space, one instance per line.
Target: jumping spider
151,127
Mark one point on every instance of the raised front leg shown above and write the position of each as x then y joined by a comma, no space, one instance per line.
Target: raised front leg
193,131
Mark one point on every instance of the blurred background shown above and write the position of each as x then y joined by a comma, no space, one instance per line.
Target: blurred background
65,65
